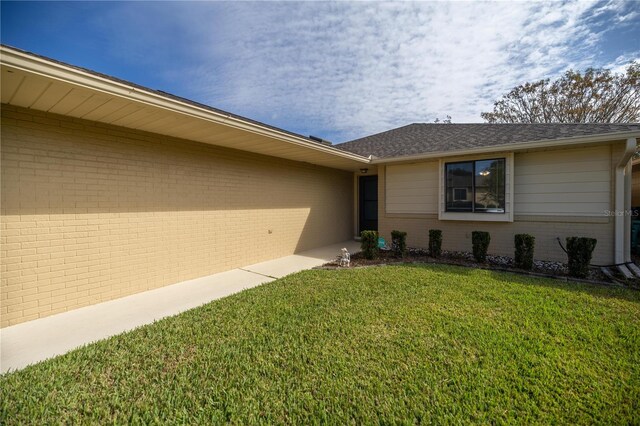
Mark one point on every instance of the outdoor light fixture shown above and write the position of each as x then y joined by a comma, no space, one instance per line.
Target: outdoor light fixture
484,173
364,171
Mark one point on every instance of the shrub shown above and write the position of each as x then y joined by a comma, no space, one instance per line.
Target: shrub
435,242
525,244
399,243
480,240
579,251
369,244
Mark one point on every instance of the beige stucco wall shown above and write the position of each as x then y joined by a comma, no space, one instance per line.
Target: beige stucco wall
92,212
558,193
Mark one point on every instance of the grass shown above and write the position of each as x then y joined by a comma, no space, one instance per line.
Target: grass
396,344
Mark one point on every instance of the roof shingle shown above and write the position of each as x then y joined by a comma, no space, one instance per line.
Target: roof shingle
422,138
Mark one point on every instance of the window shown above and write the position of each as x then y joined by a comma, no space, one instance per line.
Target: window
459,194
475,186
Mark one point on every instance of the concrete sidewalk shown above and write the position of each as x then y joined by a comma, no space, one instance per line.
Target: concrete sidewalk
34,341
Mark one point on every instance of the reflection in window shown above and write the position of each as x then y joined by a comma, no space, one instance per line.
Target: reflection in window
459,187
475,186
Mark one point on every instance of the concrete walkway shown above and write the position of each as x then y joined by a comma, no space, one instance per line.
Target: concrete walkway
34,341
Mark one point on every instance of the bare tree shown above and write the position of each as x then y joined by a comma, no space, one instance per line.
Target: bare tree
597,96
445,121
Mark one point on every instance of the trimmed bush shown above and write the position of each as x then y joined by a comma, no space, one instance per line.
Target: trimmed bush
579,251
480,241
524,244
369,244
399,243
435,242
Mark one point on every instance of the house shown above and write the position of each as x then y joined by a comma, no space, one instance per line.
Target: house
109,188
548,180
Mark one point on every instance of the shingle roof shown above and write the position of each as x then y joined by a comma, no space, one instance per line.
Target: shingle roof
421,138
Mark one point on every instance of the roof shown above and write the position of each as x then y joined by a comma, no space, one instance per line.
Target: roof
422,138
33,81
39,83
159,92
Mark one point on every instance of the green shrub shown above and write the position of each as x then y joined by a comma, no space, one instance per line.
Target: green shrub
399,243
525,244
480,241
435,242
579,251
369,244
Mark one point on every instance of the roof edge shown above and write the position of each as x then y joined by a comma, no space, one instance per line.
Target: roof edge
520,146
49,68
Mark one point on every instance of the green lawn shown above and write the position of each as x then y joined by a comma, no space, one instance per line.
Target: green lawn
395,344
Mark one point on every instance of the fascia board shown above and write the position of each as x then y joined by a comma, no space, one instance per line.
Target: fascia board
76,77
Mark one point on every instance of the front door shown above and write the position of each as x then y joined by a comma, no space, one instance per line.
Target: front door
368,203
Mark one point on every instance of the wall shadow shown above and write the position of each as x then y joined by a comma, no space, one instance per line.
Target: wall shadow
54,168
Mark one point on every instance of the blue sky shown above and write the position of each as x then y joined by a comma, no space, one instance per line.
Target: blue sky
335,70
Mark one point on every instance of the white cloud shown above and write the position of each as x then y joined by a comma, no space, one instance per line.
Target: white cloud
621,63
358,68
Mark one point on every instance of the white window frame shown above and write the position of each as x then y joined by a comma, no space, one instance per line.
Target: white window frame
507,216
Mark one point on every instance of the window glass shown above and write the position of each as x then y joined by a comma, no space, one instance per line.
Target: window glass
489,186
459,183
475,186
459,194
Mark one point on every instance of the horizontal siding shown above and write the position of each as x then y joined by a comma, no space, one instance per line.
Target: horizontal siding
412,188
551,166
567,197
546,228
567,182
572,209
566,177
564,188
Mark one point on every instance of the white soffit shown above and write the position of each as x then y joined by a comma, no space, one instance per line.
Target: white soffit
32,82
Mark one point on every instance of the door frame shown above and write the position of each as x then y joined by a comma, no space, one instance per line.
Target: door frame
358,201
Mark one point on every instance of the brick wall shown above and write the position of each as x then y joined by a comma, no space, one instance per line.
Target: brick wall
92,212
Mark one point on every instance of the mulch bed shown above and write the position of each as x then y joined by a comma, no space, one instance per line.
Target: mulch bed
547,269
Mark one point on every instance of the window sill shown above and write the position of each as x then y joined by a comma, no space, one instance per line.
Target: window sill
476,217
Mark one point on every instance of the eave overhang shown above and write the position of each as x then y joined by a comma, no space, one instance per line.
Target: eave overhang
34,82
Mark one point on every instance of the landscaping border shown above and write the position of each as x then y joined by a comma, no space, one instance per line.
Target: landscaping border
329,266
